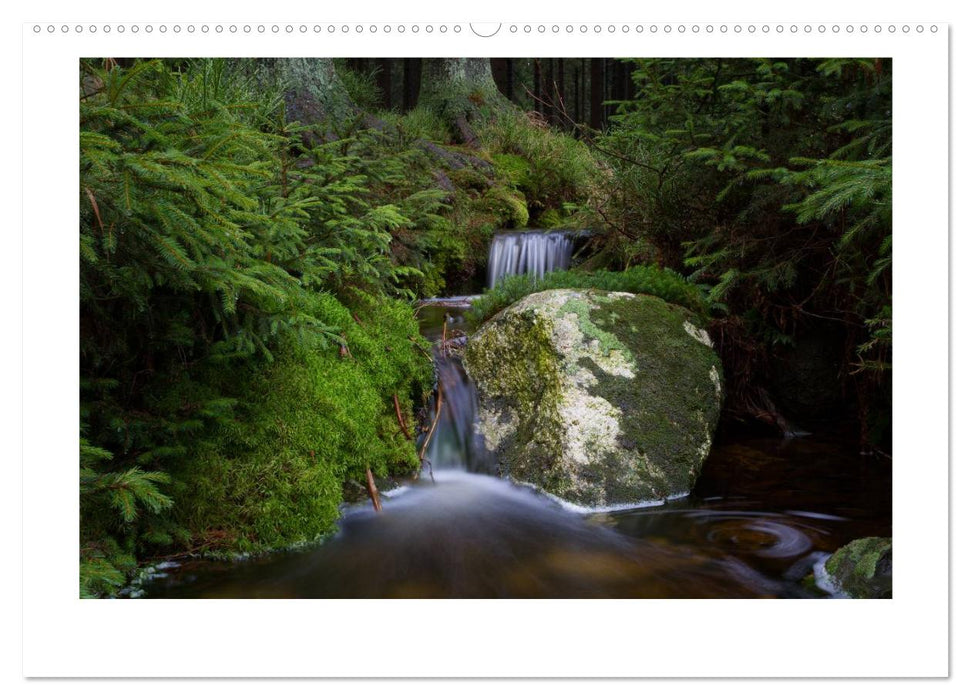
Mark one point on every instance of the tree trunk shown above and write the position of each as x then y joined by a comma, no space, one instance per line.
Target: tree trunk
412,82
537,86
596,92
313,92
460,90
384,81
502,67
577,102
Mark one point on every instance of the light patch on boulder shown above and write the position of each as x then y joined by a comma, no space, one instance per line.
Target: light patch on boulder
493,428
592,425
716,381
705,447
576,338
699,334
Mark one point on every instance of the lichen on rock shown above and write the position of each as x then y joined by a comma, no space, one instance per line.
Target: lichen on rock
598,398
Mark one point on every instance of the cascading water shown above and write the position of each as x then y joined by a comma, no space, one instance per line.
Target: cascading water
454,444
532,252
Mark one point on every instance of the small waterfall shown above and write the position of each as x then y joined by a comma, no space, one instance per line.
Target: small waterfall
533,252
454,445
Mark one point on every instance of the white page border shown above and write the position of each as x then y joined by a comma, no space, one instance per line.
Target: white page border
907,636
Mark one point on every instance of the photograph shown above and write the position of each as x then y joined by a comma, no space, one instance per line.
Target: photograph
485,328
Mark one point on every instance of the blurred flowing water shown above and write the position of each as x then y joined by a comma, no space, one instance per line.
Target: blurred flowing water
763,512
529,252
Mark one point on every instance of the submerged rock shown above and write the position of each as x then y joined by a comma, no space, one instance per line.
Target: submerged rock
863,568
598,398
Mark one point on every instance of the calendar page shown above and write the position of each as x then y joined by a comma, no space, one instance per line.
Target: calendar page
399,344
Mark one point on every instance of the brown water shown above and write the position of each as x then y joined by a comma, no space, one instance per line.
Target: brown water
763,512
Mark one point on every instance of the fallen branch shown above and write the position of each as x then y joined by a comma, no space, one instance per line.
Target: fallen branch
431,431
401,420
372,491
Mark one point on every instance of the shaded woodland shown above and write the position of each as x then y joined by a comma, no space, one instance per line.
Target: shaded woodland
256,234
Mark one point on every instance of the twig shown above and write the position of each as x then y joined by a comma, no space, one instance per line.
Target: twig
372,491
401,420
94,206
431,431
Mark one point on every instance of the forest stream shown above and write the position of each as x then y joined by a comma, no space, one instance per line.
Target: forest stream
764,514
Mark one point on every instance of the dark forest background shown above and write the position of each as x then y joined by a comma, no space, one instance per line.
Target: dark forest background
568,91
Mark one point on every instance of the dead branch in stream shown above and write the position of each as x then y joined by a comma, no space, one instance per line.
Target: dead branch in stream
431,431
401,420
372,491
438,411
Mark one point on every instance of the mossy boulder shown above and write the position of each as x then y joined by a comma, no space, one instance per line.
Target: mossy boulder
598,398
863,568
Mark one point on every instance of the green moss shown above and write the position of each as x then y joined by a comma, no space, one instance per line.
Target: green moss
863,567
514,168
528,391
273,476
509,207
548,166
672,406
653,280
608,341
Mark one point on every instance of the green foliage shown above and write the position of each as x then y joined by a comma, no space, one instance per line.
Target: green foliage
421,123
354,230
769,181
104,569
222,255
654,280
551,168
274,475
361,87
509,206
111,501
525,174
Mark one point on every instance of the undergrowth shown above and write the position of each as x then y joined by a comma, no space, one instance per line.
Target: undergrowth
654,280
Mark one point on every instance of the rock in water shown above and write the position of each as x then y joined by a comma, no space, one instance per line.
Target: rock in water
598,398
863,568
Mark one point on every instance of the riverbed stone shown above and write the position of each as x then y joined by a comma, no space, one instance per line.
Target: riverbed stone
601,399
863,568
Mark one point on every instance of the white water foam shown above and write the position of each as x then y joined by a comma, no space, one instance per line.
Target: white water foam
396,491
588,510
824,581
